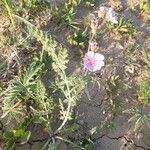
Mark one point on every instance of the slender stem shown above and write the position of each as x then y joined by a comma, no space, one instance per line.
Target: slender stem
60,138
7,112
68,108
87,93
90,40
9,11
24,20
45,145
22,4
68,97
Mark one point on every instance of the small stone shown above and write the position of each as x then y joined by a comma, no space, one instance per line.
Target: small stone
140,135
104,112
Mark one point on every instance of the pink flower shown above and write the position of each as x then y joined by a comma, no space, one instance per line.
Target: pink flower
109,13
111,16
93,61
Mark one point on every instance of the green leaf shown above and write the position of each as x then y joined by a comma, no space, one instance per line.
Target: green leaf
146,7
40,90
93,130
32,70
26,137
38,119
133,118
19,133
52,146
26,122
138,123
120,21
9,134
12,92
10,145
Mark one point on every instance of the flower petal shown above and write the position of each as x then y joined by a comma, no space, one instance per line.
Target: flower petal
111,16
89,54
93,61
98,66
98,56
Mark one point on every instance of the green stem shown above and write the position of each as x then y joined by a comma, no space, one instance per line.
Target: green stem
68,108
9,11
60,138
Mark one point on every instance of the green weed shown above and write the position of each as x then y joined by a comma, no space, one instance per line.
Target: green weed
88,3
32,5
139,117
10,7
24,90
72,3
66,14
145,6
144,91
124,26
114,93
21,135
131,53
27,96
111,125
79,38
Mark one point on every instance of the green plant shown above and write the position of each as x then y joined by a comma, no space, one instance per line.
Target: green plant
111,125
32,4
24,90
144,91
10,7
88,3
131,53
145,55
73,3
67,13
29,3
85,139
123,26
20,135
145,6
13,135
29,91
79,38
139,117
113,92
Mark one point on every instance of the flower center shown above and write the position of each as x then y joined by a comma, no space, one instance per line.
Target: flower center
92,61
